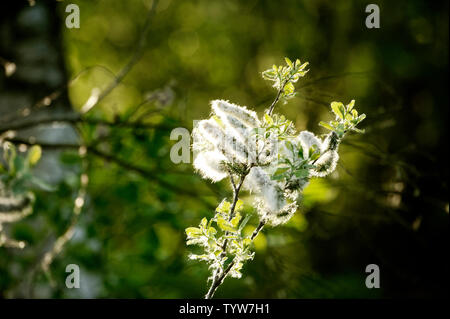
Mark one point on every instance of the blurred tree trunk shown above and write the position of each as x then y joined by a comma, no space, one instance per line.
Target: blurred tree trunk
31,39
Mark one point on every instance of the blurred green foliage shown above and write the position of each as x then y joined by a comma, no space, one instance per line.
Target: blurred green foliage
387,203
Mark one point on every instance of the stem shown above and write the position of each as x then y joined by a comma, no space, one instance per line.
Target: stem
218,280
277,98
219,277
236,195
274,103
236,190
258,229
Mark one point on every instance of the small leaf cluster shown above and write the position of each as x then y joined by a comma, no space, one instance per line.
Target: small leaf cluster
277,127
223,240
274,129
347,118
296,165
15,170
284,77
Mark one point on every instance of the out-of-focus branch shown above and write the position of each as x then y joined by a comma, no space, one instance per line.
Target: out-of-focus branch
127,68
74,118
144,172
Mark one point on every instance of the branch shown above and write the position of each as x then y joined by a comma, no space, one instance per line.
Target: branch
73,118
144,172
219,279
277,98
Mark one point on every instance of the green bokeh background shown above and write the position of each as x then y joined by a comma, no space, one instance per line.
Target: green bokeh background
387,202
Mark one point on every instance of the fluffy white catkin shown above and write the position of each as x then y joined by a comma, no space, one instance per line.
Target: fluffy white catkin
228,138
210,165
326,164
226,143
241,112
259,182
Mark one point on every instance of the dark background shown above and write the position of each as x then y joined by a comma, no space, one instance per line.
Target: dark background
386,204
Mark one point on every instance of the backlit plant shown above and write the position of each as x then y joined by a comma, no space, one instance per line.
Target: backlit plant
266,157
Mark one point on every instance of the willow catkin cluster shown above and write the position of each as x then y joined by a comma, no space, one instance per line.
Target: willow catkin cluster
228,138
278,209
224,138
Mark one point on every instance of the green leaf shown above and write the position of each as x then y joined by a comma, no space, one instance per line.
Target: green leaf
239,205
350,105
236,219
203,223
361,117
224,207
338,109
277,177
314,156
268,119
212,231
348,117
289,88
288,61
224,224
193,232
34,154
326,125
247,241
304,65
300,151
280,171
301,173
20,165
269,75
235,270
290,146
244,222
